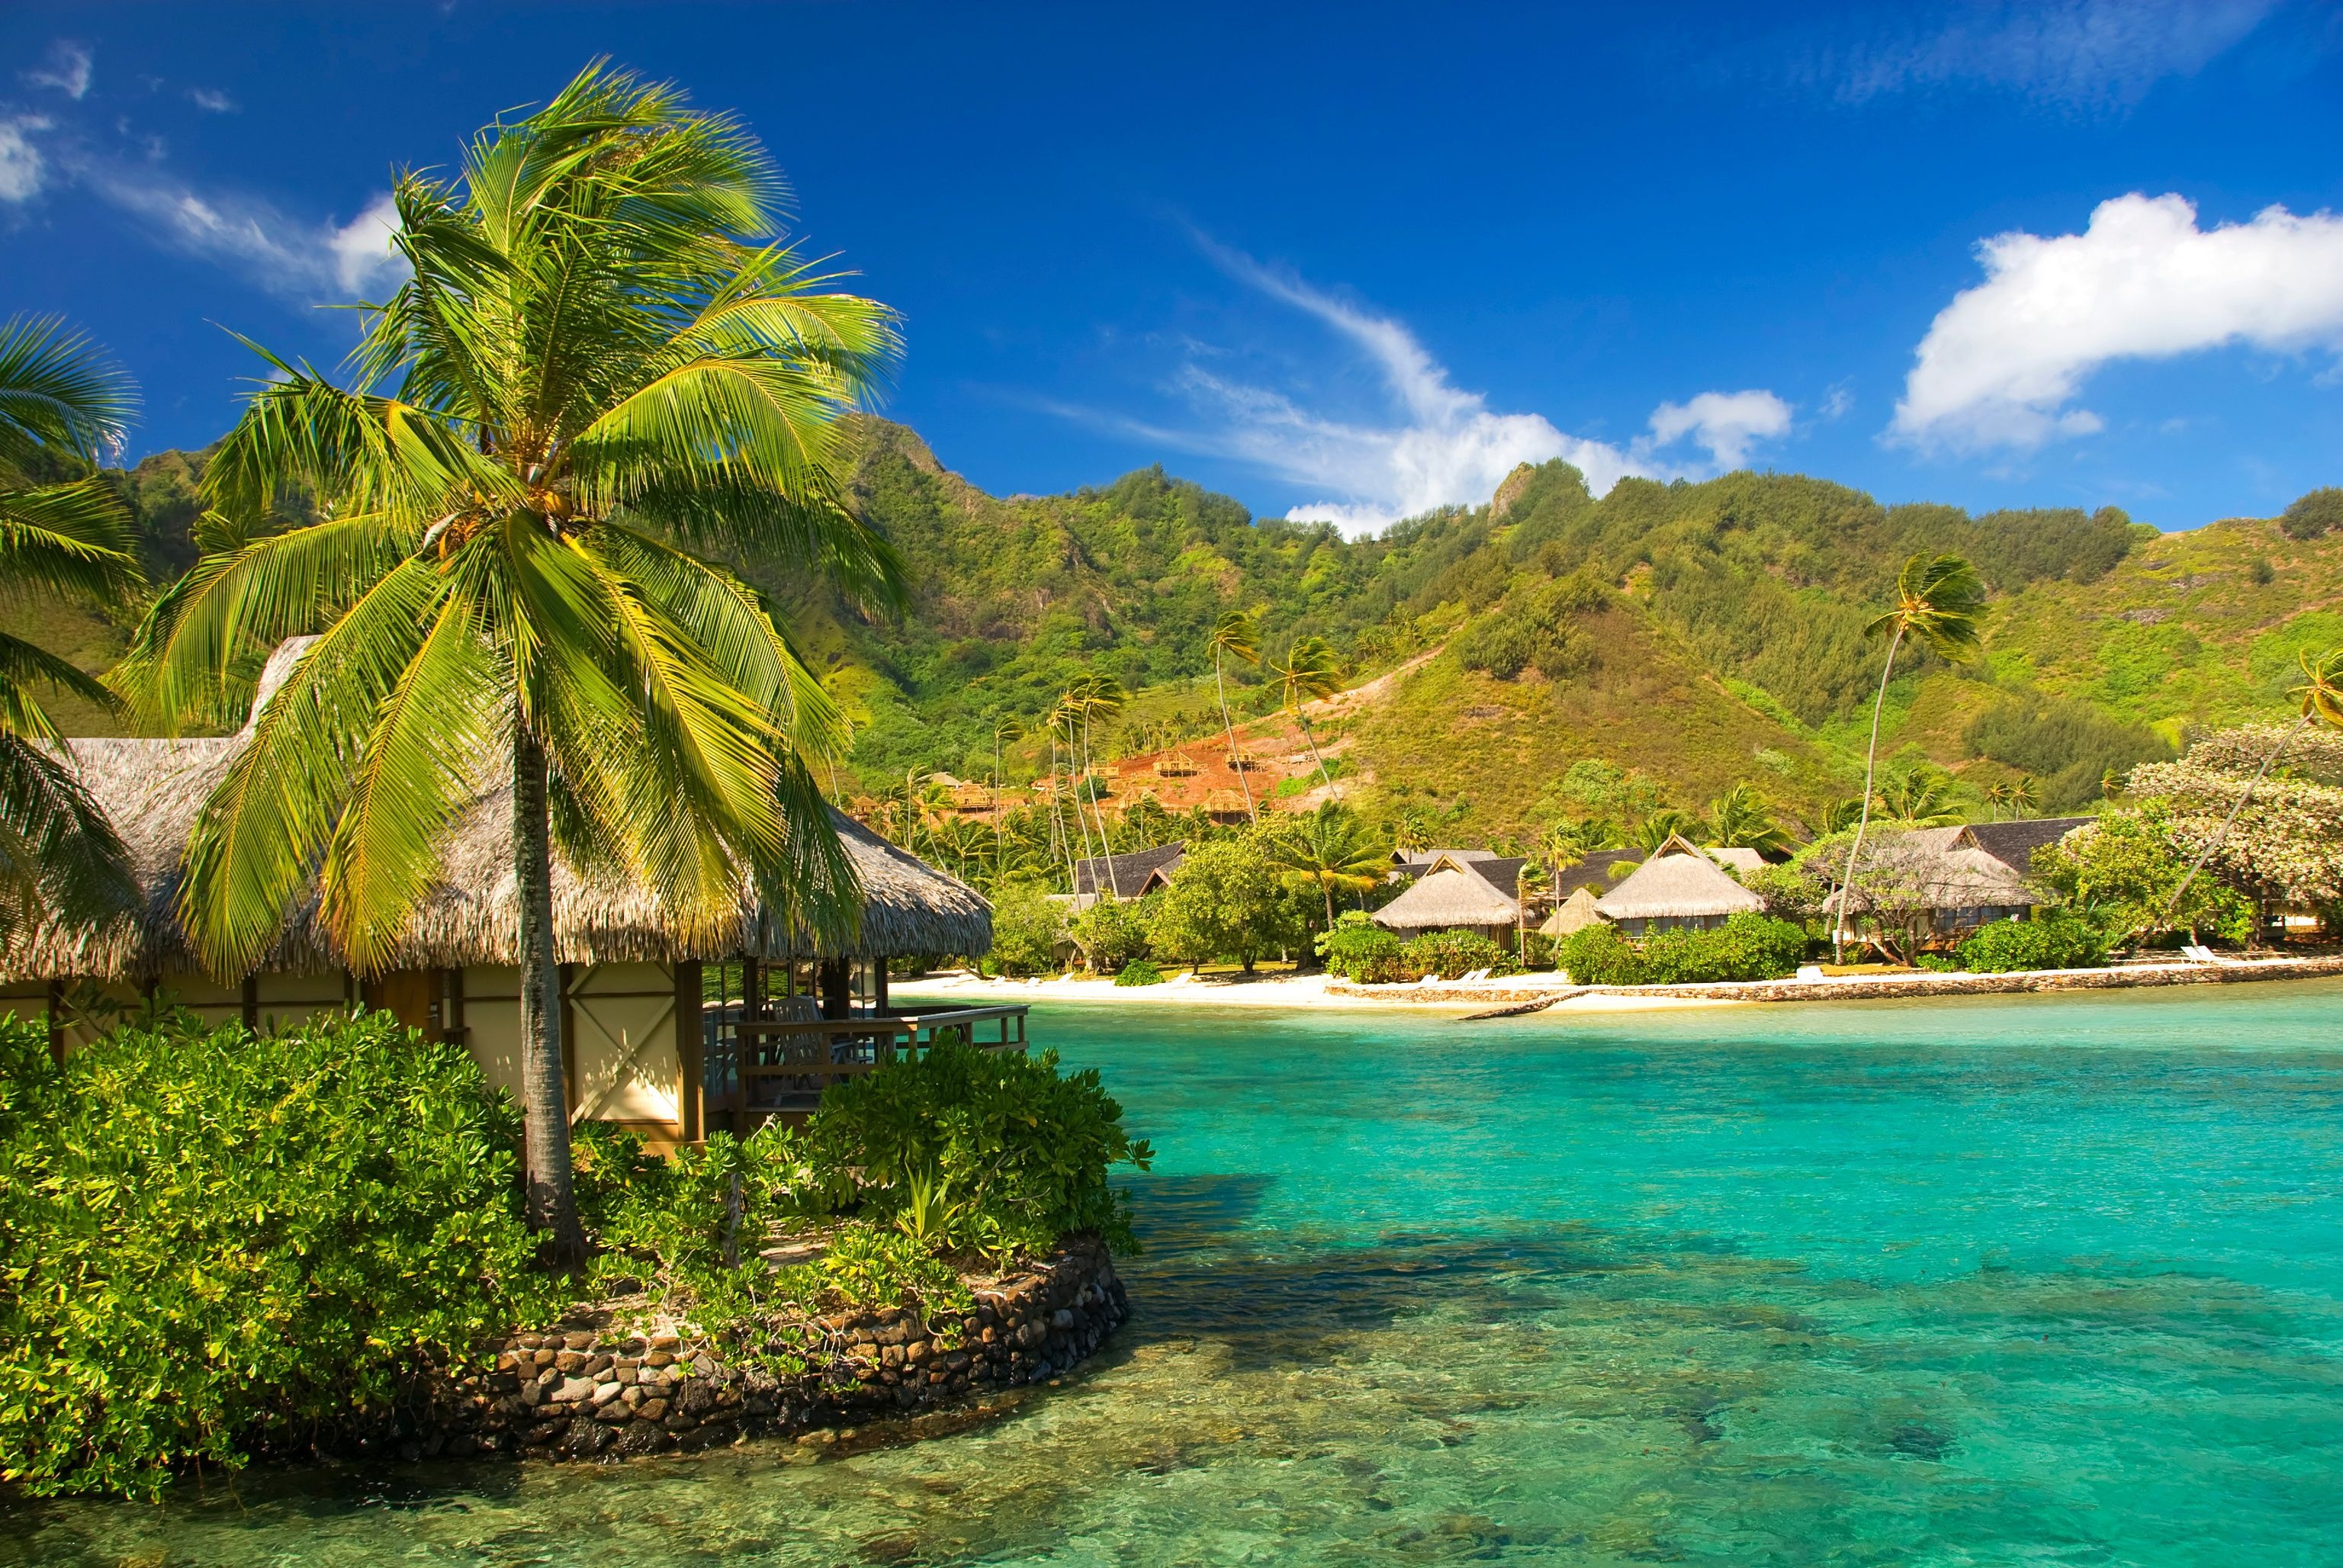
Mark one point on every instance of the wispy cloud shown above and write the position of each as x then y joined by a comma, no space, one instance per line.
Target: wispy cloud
2001,365
2078,54
1440,444
211,100
68,70
23,170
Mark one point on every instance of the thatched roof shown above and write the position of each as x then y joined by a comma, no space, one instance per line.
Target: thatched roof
1574,913
1127,876
1679,883
153,791
1914,871
1448,898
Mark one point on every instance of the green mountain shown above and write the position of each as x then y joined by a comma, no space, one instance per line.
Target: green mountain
1688,636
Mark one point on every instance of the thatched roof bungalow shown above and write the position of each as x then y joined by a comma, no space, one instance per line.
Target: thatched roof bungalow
629,974
1935,882
1574,913
1681,888
1451,899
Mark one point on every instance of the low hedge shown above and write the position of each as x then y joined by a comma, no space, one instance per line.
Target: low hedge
1452,954
2054,938
1360,951
1747,947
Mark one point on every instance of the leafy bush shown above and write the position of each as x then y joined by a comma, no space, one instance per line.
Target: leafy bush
2054,938
1138,971
2127,868
1225,901
1450,954
1533,628
1360,951
1026,928
1937,964
213,1239
992,1152
1747,947
1112,933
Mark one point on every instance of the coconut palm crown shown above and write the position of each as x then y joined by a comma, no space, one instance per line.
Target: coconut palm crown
61,404
604,373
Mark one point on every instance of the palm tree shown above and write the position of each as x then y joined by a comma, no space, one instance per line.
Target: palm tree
1093,696
2321,694
1658,828
2021,796
1938,599
1530,884
1003,728
1740,818
61,403
1996,796
603,364
1920,795
1331,847
1311,670
1233,636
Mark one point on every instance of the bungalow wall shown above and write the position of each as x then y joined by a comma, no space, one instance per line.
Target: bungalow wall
621,1054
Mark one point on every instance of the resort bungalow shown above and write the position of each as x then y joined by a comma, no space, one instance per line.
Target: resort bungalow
1128,876
2014,843
632,1015
1577,887
1937,882
1453,897
1681,888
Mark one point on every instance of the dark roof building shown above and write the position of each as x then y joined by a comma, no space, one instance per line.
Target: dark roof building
1128,876
1593,870
2014,843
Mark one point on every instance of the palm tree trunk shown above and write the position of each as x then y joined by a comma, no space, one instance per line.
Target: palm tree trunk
1303,719
1870,765
1229,728
997,871
1113,877
552,1206
2221,838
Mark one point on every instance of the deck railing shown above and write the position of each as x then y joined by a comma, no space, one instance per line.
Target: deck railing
759,1067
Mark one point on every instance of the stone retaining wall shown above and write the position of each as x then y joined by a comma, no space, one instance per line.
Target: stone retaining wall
1856,988
589,1387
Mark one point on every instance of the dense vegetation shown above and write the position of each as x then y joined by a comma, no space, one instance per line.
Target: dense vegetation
213,1242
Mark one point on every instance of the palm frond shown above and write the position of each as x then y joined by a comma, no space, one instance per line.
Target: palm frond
73,540
59,856
58,392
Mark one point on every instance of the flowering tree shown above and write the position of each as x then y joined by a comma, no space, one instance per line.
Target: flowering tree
2123,871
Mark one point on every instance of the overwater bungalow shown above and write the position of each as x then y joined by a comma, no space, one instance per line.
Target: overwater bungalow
1682,887
633,1012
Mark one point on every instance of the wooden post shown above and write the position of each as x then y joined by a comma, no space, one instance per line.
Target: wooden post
249,1000
836,978
878,985
690,1113
57,1021
569,1042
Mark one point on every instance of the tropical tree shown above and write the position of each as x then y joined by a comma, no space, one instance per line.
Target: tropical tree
1740,818
1565,842
1330,849
1225,902
1658,828
2321,696
1235,637
1005,728
604,367
1311,670
2021,795
1921,795
1996,796
1938,599
62,403
1092,697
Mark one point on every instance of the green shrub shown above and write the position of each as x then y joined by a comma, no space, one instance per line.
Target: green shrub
1112,933
1747,947
1450,954
1026,928
1360,951
1937,964
213,1240
992,1152
2054,938
2318,512
1599,955
1138,971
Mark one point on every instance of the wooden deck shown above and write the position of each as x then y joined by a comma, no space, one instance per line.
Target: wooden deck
759,1068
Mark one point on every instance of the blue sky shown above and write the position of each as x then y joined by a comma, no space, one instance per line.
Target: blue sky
1345,262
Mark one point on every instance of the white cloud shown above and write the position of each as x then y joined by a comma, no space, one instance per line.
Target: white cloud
1726,423
2003,362
284,255
1445,447
212,100
23,170
67,72
1837,401
2077,53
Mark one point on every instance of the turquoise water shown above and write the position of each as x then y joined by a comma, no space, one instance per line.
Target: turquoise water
2051,1279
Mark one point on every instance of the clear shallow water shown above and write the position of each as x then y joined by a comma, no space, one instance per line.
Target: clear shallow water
2041,1280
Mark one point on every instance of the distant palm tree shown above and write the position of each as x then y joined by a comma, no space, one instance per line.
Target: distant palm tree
1235,637
2021,795
1658,828
1937,600
1740,818
1311,670
1996,796
1530,884
1412,829
1329,848
1003,728
1838,816
1921,795
2321,694
60,402
604,373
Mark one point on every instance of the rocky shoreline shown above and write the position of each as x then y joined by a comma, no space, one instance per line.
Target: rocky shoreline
595,1387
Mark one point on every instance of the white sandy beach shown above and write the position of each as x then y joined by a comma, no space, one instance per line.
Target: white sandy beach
1278,990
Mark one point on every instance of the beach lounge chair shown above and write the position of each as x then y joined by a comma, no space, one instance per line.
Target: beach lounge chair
1429,980
1472,977
2198,952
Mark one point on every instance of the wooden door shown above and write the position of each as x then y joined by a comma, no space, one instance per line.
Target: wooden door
410,996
